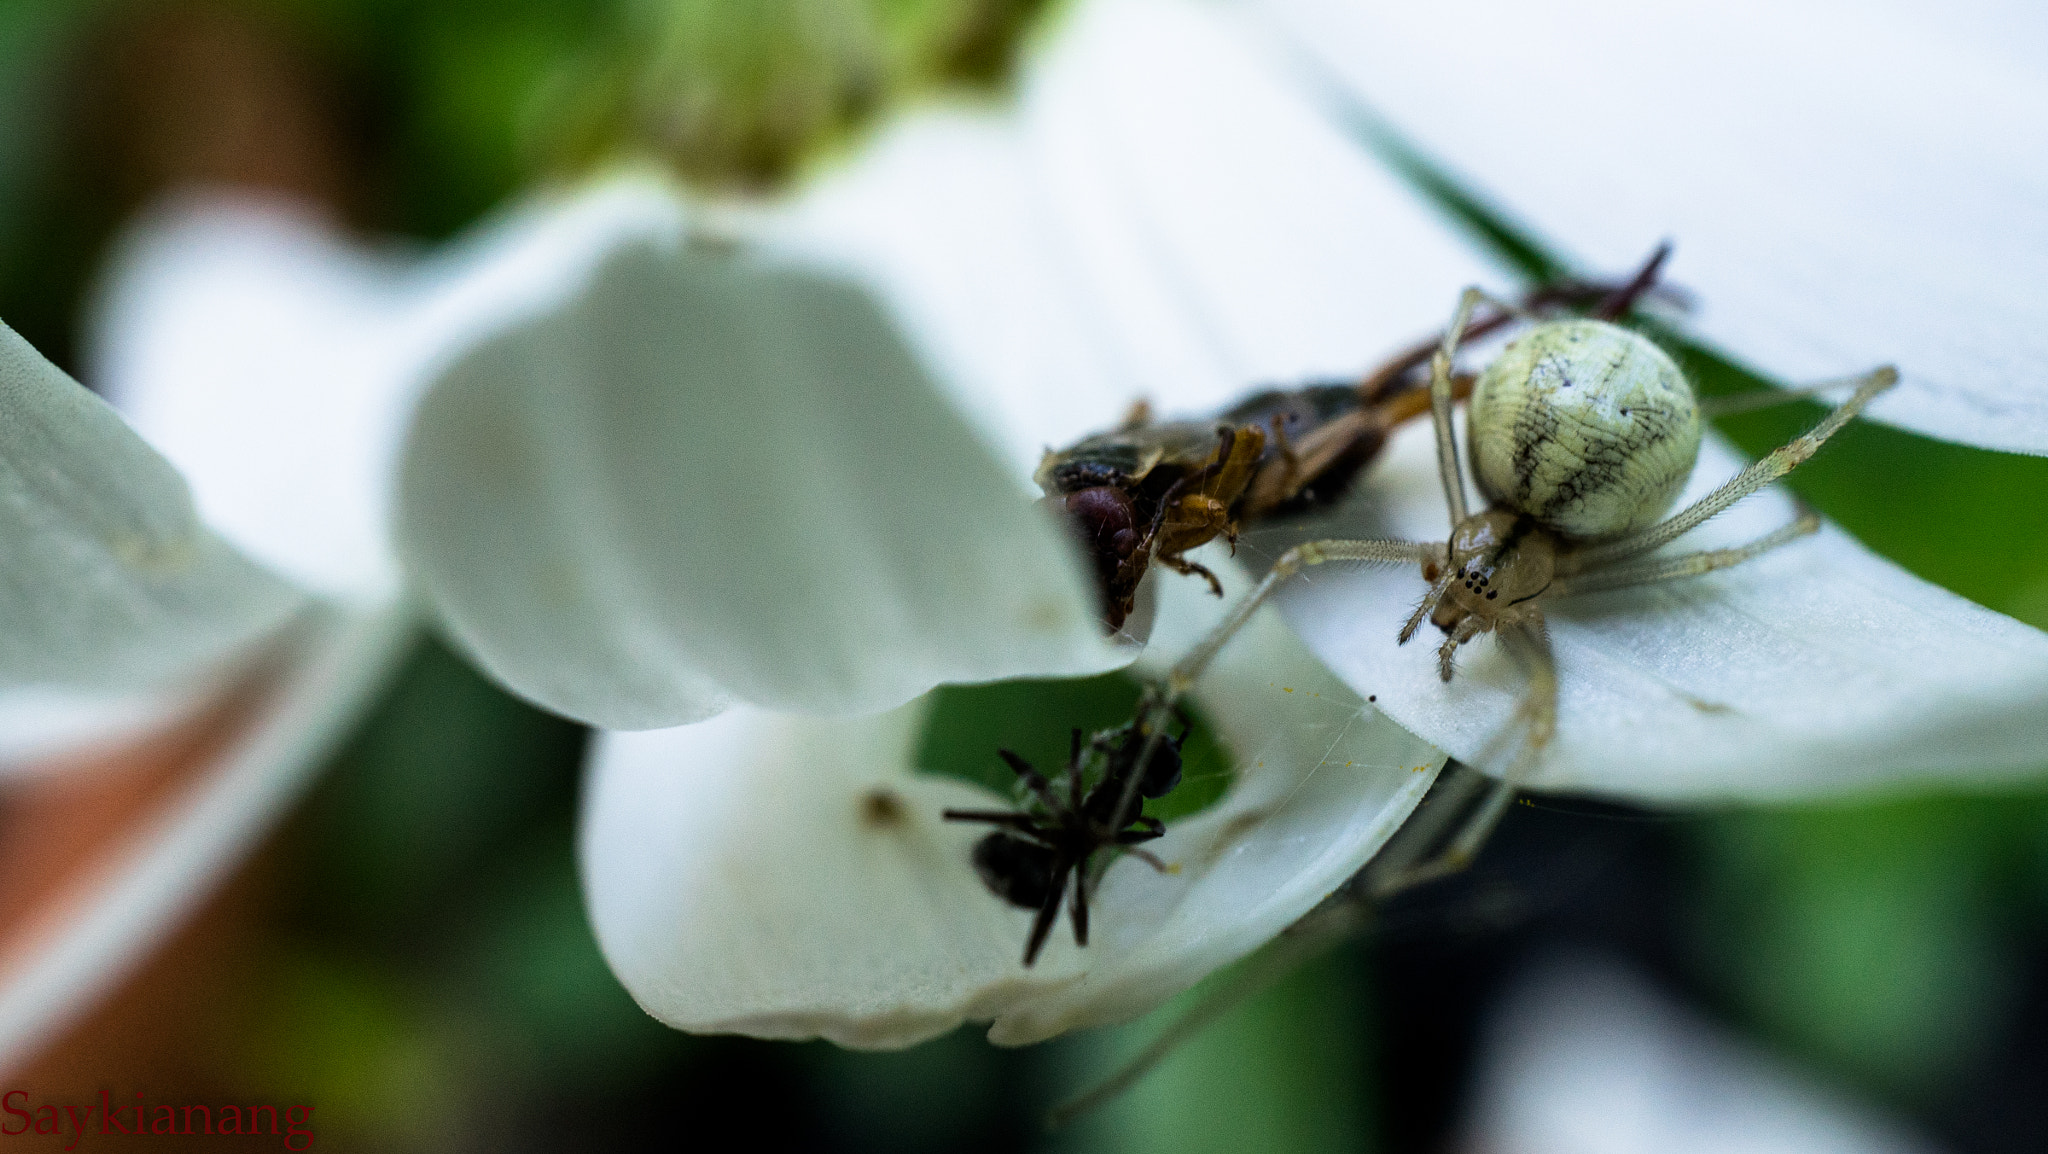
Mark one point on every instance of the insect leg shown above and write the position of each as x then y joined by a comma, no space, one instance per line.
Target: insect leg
1616,304
1023,821
1041,926
1078,908
1033,780
1772,466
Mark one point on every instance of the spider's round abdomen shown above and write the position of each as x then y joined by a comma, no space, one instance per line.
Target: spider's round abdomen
1585,426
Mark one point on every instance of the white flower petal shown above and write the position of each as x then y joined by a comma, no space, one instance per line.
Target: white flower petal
1586,1058
1163,217
740,879
329,668
1815,669
942,216
1225,233
710,478
112,581
276,360
1845,181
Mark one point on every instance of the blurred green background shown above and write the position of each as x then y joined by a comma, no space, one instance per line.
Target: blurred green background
410,953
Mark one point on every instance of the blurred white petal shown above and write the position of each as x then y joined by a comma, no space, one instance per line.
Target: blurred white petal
1848,183
42,727
1164,216
276,361
738,884
1585,1058
710,478
112,581
1227,234
942,216
327,669
1818,668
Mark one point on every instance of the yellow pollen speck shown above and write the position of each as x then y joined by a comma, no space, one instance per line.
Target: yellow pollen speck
1284,689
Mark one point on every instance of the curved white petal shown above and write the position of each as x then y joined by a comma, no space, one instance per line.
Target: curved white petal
942,217
743,877
1225,233
711,478
1163,216
327,669
1585,1057
1818,668
112,581
276,360
1847,182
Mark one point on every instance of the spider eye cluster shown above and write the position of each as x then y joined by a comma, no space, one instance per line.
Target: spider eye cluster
1588,427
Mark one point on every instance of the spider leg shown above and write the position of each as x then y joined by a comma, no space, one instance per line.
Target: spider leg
1528,642
1427,606
1685,564
1189,668
1446,654
1772,466
1441,393
1041,926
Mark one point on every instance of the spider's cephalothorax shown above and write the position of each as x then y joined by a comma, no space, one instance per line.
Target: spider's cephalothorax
1582,436
1029,859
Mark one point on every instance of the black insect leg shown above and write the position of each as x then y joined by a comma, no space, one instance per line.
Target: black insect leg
1074,773
1041,926
1012,818
1079,906
1032,779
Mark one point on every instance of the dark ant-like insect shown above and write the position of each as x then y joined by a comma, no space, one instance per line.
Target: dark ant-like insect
1028,861
1154,490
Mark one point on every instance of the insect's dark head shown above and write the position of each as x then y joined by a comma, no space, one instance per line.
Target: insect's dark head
1015,869
1072,476
1105,521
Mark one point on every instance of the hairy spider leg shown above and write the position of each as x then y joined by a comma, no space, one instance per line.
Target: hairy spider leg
1761,472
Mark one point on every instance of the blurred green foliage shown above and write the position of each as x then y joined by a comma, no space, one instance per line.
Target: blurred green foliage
741,95
1287,1071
